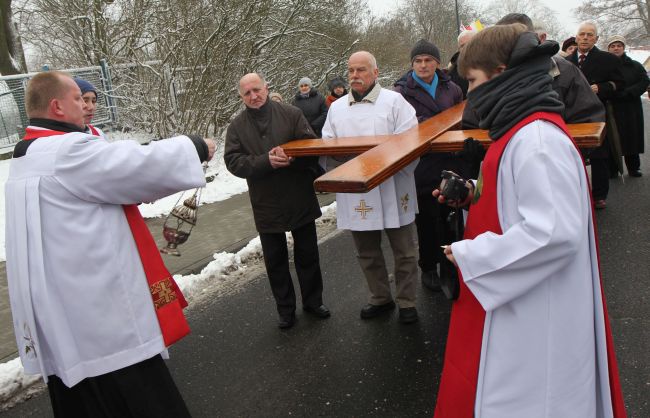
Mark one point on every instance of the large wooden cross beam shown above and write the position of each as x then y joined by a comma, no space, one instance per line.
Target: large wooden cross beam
382,156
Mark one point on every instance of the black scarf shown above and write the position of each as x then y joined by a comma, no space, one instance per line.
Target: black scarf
261,117
525,87
359,96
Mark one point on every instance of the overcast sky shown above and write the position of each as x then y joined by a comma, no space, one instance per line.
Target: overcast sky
563,8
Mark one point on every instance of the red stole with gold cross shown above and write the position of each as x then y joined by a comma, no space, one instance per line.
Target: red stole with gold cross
167,298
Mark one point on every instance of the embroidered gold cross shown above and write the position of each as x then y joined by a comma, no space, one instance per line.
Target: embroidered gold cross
162,293
405,202
363,209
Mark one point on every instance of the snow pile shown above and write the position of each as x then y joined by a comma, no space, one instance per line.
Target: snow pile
223,265
13,380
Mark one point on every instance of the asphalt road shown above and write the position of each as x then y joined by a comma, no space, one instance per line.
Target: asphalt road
236,363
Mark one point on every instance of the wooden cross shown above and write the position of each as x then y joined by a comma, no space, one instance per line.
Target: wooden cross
363,209
382,156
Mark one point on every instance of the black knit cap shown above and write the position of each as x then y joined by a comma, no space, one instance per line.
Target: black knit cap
424,47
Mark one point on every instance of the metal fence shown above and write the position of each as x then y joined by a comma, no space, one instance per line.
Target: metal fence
13,118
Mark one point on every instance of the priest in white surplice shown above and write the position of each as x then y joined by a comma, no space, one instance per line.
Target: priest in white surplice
93,305
391,207
529,334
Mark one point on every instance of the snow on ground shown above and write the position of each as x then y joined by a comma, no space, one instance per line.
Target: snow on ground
220,188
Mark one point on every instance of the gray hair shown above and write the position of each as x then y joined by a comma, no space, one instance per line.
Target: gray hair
590,23
465,33
371,59
373,62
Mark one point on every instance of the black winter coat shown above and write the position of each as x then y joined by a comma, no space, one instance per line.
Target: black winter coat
603,69
283,199
455,77
314,109
628,110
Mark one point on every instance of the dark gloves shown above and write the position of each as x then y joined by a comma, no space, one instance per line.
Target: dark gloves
472,154
473,151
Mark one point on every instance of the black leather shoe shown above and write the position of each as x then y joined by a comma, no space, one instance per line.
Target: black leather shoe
408,315
635,173
431,280
319,312
371,311
286,322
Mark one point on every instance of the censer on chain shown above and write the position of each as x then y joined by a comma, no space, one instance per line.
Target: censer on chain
180,221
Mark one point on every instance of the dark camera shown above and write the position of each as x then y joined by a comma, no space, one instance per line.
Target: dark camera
453,186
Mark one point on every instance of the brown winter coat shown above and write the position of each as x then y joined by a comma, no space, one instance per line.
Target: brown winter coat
282,199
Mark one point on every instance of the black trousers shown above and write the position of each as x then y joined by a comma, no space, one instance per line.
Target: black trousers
143,390
600,172
433,231
306,261
632,162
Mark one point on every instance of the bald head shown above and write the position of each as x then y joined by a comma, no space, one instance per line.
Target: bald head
55,95
362,71
364,57
253,90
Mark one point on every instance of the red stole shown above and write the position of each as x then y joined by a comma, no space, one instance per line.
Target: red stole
457,392
167,298
92,130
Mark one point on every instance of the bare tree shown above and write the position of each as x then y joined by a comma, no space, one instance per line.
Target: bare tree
629,18
175,64
391,38
537,11
82,32
12,57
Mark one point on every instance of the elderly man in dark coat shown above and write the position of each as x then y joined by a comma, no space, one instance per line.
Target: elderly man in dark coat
628,110
281,193
603,72
430,91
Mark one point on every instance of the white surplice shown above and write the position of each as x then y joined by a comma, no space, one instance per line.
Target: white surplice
544,348
80,301
394,202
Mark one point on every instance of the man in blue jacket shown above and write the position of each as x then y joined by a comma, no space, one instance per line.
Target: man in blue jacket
430,91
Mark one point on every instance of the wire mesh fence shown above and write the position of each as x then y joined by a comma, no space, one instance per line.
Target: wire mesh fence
13,118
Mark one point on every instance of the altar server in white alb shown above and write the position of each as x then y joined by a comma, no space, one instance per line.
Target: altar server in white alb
89,96
371,110
529,334
93,305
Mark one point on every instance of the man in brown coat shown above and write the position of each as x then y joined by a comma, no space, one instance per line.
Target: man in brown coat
281,193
